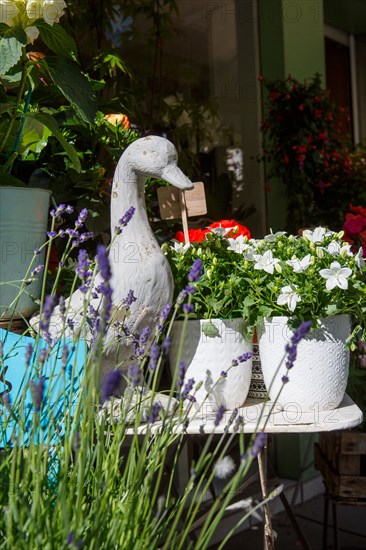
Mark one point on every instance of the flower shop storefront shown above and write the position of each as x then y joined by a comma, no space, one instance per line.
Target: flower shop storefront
135,337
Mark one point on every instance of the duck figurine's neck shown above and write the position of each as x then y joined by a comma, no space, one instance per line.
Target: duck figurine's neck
129,191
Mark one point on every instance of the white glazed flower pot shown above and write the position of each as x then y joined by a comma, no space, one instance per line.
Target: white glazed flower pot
206,353
318,379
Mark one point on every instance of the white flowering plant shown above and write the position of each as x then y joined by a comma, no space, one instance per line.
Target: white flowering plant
221,290
304,277
35,79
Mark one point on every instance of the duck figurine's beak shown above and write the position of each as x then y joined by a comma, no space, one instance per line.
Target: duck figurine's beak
174,175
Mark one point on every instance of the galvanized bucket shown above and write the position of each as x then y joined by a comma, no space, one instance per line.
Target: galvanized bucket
23,226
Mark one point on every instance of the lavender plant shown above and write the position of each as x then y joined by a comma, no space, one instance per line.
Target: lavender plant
79,466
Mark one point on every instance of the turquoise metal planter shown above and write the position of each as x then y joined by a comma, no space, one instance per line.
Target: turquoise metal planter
23,226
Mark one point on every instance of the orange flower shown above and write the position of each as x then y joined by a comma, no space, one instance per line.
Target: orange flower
118,118
35,56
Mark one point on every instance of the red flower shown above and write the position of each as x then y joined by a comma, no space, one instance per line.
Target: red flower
239,229
354,224
358,210
274,95
195,235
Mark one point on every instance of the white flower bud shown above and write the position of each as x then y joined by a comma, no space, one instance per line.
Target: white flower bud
8,12
278,268
32,33
34,9
53,10
319,252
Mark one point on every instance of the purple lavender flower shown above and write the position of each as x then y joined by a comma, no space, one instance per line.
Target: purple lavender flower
37,391
86,236
103,262
187,308
190,289
163,317
69,209
82,269
126,218
81,218
61,233
28,353
233,415
238,423
298,335
43,355
154,356
196,271
285,379
70,541
134,374
47,310
51,234
60,209
72,233
223,373
188,387
219,415
37,270
154,413
259,442
37,251
234,363
181,297
144,336
245,357
111,385
181,374
62,305
70,323
165,346
128,301
104,288
5,399
141,342
65,355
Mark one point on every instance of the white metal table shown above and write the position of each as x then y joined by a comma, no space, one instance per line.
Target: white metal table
259,415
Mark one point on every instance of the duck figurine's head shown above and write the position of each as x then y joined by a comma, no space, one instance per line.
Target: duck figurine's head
156,157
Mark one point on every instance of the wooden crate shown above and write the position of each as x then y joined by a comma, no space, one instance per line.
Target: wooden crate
341,459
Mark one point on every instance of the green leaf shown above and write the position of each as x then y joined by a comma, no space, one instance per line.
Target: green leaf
56,39
11,52
74,86
209,329
51,124
34,137
11,80
8,179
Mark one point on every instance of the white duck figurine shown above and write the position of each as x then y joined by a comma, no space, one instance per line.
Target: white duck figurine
137,262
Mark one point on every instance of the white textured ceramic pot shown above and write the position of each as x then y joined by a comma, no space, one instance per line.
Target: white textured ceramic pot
209,348
319,376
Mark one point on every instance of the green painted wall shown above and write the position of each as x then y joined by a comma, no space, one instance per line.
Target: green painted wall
291,39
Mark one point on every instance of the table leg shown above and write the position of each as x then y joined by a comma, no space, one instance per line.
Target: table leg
268,530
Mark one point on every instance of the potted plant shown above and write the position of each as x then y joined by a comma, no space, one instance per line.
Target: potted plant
31,85
216,343
312,277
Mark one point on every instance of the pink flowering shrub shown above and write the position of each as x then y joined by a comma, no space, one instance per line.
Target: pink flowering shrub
304,146
354,228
